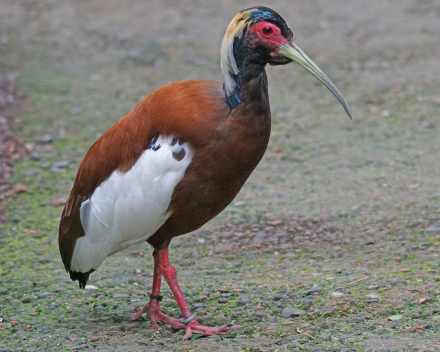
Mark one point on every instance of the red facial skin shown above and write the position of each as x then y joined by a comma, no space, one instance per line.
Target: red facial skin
269,33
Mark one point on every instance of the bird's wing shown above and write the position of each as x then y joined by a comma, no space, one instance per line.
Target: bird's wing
125,177
117,150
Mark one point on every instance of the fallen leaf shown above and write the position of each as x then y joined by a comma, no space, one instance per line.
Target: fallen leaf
414,186
420,300
298,331
395,317
19,189
404,270
306,334
196,336
396,259
419,329
359,280
58,202
274,222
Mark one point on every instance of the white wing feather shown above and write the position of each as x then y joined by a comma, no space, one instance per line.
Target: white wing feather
128,208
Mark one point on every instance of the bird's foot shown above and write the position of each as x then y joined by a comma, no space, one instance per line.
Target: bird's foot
154,314
195,327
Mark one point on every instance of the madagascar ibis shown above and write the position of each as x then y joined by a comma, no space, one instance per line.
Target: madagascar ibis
178,159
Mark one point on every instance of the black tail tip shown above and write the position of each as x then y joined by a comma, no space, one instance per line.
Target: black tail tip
81,277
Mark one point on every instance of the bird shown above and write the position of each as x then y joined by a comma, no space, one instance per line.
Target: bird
178,159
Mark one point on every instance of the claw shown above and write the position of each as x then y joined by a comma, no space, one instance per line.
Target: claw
195,327
155,314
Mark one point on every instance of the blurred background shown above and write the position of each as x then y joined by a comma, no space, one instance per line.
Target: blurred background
83,65
71,69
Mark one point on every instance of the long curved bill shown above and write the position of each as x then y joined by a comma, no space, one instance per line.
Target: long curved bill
296,54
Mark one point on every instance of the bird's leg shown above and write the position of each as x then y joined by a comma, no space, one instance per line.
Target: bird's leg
191,325
152,308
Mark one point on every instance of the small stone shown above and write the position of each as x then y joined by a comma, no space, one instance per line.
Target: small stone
373,295
185,347
34,156
433,229
46,139
56,170
337,294
259,237
225,294
245,301
324,337
99,308
120,295
315,289
61,164
79,347
60,289
308,302
197,305
45,165
16,301
206,319
292,312
200,311
89,292
31,172
95,338
271,319
223,300
129,326
88,287
373,287
28,299
259,315
344,338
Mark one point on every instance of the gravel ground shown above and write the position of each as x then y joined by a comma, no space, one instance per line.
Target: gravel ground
332,245
11,148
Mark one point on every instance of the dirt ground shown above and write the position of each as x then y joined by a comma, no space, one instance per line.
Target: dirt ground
332,245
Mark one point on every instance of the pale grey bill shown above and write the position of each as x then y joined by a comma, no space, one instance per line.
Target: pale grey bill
296,54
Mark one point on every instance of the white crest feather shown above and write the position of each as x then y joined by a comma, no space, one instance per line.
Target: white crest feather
228,62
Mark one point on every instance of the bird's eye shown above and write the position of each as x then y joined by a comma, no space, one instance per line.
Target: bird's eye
267,30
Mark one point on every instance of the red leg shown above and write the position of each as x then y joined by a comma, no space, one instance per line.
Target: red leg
153,308
169,273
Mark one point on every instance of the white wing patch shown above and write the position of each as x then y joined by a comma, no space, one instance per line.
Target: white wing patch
128,208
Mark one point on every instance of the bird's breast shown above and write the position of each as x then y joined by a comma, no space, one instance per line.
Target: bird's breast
218,170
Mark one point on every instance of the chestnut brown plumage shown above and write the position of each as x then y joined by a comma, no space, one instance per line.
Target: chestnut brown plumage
197,142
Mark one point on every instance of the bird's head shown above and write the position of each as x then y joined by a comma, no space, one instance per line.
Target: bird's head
259,35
